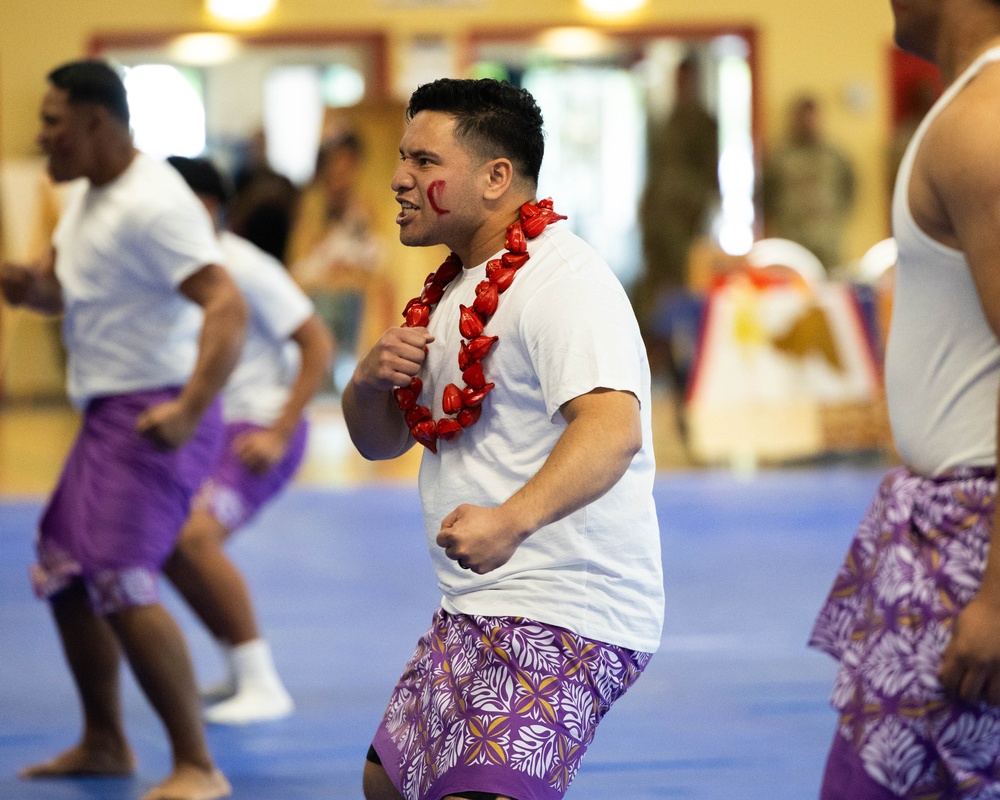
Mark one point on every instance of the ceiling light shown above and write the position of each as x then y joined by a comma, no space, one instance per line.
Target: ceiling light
202,49
574,43
613,8
240,10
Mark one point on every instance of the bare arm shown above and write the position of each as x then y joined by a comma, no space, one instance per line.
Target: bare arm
970,666
373,420
34,286
602,436
260,450
963,199
171,424
316,346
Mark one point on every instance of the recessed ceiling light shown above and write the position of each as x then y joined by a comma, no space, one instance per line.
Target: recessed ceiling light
204,48
240,10
612,8
574,43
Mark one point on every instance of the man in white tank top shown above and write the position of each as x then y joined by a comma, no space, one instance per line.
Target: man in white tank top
914,615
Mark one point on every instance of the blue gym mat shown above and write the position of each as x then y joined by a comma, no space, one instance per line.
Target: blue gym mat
733,706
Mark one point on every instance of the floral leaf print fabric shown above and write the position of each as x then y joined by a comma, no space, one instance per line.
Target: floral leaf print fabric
499,704
915,562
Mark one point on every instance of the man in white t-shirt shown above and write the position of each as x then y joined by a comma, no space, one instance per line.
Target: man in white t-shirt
520,368
285,358
153,326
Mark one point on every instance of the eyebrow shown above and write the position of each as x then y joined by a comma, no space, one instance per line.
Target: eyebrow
420,154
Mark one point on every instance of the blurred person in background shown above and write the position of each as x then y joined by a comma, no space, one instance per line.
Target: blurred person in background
262,207
333,252
808,186
283,363
682,189
153,326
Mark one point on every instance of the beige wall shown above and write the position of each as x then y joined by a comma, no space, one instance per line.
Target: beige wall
839,50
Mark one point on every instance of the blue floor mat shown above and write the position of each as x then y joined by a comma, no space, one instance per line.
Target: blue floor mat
733,706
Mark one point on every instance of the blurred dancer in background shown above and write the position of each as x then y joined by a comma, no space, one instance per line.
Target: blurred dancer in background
134,257
284,361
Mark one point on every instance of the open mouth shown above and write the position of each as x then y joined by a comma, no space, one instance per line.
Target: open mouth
406,210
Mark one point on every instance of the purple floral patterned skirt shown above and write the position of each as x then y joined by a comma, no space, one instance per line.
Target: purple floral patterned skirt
499,704
915,562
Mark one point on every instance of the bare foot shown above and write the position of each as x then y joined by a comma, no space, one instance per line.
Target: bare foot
191,783
84,760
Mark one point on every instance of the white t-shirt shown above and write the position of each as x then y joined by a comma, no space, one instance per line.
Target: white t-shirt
258,388
565,328
942,368
122,251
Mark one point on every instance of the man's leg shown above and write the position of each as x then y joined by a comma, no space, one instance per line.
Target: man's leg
92,654
218,594
155,648
210,582
377,785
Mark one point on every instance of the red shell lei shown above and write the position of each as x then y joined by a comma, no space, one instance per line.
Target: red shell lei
462,407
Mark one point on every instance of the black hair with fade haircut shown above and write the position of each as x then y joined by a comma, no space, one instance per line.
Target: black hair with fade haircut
93,81
203,177
493,118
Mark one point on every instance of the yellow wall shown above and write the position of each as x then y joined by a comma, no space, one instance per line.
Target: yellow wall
838,50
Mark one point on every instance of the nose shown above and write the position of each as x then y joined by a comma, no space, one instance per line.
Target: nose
401,178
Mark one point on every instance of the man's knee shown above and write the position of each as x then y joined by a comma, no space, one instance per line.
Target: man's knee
202,532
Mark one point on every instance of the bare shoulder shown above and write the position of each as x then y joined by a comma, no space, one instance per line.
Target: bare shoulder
955,194
961,148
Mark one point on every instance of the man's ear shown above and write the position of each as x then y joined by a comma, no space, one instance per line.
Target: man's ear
499,175
95,117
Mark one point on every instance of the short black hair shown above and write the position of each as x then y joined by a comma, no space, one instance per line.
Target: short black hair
493,118
93,81
203,177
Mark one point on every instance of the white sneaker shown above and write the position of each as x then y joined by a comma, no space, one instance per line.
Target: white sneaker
251,704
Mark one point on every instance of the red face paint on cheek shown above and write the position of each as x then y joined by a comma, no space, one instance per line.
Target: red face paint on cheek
434,191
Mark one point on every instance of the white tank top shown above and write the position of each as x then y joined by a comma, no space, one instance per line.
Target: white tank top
942,368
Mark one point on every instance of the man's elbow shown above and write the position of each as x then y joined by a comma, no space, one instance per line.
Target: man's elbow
630,434
632,430
632,443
